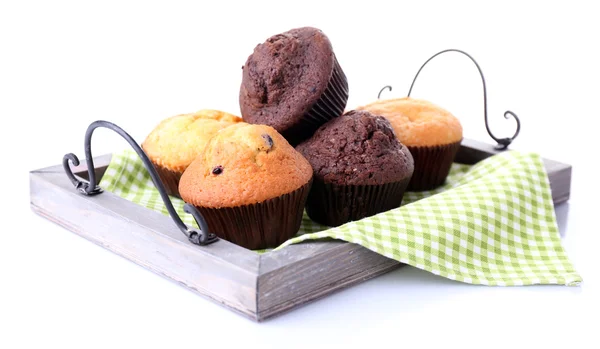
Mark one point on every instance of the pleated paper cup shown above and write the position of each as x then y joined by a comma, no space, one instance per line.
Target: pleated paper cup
432,165
330,105
333,205
262,225
170,179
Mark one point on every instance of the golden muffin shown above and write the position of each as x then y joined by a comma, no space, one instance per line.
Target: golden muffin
250,185
431,133
176,141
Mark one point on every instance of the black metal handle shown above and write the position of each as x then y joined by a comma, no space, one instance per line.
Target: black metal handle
198,237
503,143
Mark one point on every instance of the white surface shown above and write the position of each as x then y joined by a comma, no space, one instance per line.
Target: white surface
64,65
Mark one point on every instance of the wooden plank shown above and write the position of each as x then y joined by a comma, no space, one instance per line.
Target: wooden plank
295,253
472,151
100,165
332,266
559,174
223,272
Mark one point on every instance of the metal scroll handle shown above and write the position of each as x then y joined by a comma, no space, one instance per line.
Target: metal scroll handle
198,237
503,143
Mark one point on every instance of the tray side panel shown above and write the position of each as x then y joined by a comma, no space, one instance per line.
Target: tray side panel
257,286
472,151
559,174
342,265
222,272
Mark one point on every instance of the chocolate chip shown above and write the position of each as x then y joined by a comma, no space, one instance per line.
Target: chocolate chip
217,170
268,140
313,89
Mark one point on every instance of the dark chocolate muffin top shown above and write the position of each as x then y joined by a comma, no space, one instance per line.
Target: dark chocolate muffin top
357,148
285,76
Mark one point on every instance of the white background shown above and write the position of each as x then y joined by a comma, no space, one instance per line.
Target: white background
64,65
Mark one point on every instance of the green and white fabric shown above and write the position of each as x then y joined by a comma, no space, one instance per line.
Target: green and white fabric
492,223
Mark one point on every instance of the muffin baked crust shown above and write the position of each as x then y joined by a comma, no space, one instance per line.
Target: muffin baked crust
417,122
357,148
176,141
244,164
285,76
294,83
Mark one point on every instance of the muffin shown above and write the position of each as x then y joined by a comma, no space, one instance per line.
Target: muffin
360,168
250,185
176,141
431,133
294,83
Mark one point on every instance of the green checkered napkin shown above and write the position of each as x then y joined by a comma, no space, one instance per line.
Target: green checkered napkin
491,224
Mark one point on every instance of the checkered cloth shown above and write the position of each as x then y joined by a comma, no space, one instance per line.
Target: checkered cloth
490,224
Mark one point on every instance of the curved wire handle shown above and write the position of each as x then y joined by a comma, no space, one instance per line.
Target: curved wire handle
386,87
198,237
503,143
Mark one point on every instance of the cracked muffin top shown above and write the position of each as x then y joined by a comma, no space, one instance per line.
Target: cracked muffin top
358,148
176,141
286,84
418,122
244,164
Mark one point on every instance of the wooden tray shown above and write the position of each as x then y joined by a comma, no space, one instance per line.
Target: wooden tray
258,286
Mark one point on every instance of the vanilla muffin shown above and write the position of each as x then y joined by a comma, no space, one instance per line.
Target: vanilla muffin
431,133
176,141
250,185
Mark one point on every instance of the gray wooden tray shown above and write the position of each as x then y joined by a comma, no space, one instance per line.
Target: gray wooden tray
258,286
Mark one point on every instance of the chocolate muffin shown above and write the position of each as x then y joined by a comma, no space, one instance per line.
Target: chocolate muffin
360,168
293,83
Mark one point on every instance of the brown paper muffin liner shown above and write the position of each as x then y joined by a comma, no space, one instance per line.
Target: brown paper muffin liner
331,105
170,179
262,225
432,165
334,205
